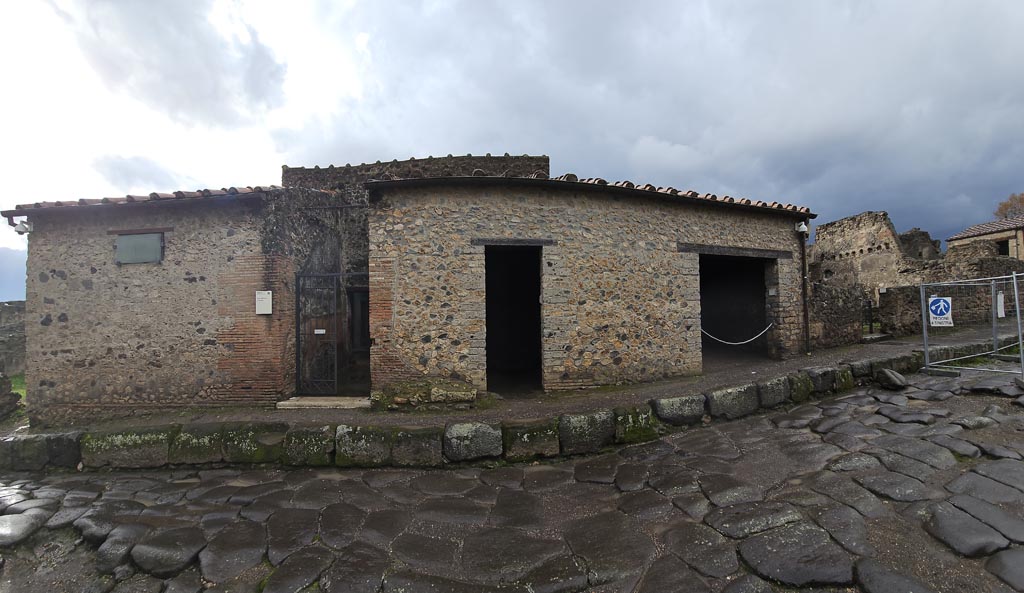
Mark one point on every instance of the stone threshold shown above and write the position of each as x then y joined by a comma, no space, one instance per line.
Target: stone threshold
350,445
324,403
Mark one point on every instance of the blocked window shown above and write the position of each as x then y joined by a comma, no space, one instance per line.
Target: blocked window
139,248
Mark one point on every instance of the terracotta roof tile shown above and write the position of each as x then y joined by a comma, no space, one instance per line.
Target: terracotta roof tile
987,228
152,197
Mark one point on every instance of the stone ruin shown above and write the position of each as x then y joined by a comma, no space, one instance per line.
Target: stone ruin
12,337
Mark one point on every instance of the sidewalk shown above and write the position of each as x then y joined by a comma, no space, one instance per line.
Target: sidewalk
718,373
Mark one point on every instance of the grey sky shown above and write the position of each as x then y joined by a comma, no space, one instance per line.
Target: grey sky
915,107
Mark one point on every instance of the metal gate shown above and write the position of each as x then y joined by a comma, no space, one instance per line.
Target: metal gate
985,308
317,330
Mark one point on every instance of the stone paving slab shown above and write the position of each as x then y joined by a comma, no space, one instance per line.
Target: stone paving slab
744,506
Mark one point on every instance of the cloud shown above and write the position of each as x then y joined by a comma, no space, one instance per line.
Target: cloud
175,58
132,173
842,106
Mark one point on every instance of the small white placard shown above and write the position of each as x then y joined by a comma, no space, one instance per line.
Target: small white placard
319,332
264,302
940,311
1000,305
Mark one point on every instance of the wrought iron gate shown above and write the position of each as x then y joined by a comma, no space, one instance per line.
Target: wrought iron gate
318,334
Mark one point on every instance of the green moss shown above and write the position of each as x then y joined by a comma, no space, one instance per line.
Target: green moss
525,440
18,384
844,380
635,425
260,442
800,387
363,446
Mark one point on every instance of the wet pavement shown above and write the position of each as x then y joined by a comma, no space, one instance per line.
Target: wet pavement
914,489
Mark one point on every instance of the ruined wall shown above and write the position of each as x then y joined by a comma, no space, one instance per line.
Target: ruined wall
114,338
1013,237
620,302
12,337
859,250
918,244
451,166
836,315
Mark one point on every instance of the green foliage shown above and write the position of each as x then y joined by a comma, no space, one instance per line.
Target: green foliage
18,384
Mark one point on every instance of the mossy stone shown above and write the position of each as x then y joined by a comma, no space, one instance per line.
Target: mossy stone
134,448
198,443
254,442
635,425
309,445
524,440
800,387
362,446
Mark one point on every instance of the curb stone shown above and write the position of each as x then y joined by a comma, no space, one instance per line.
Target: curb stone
435,446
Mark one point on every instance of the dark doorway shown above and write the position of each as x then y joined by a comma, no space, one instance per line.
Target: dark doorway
332,354
733,309
513,318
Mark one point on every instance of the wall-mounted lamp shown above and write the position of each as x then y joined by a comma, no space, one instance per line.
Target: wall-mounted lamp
801,227
23,227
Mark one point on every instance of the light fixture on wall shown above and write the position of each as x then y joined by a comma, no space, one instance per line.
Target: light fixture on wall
801,227
23,227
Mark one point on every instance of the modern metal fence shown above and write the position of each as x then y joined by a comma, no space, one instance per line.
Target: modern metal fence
977,304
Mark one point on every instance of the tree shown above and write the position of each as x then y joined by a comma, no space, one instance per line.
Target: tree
1011,206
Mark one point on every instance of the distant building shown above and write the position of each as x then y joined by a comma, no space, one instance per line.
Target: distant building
472,269
1007,235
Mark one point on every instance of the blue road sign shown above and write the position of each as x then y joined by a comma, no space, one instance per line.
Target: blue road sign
939,306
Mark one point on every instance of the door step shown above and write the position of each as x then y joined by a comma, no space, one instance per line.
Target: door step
337,403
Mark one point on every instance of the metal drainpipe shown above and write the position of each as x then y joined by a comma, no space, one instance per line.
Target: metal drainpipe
803,290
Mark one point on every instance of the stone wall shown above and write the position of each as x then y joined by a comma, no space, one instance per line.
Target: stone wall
836,315
111,338
12,337
620,301
333,177
859,250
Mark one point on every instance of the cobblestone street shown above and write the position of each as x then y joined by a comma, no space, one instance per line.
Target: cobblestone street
919,489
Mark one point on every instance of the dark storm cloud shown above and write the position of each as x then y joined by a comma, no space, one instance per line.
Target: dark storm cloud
169,55
915,107
125,173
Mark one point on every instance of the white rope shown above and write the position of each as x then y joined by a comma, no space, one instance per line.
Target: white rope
763,332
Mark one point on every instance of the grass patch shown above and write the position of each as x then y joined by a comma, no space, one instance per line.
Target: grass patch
18,384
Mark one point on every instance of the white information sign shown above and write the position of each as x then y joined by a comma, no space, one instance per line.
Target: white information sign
1000,305
940,311
264,302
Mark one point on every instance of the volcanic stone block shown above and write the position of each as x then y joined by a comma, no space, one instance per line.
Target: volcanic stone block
634,425
198,443
800,387
64,449
418,447
733,402
527,439
23,453
679,411
471,440
586,433
773,392
309,445
254,442
362,446
823,379
890,379
962,532
133,448
797,555
844,379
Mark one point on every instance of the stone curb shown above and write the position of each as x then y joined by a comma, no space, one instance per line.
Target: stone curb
435,446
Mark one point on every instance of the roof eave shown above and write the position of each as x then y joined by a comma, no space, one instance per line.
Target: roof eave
385,185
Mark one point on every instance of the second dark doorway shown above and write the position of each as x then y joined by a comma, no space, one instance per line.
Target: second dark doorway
733,308
513,318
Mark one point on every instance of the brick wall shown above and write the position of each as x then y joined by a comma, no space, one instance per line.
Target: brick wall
620,302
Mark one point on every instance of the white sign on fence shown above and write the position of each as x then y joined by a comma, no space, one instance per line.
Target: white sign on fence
940,311
1000,305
